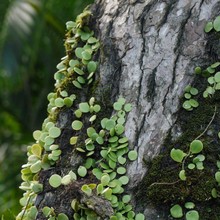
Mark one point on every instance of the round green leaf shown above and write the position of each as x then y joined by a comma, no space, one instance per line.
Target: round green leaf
84,35
182,175
128,107
121,160
91,66
117,106
37,188
77,84
73,140
177,155
37,134
126,198
123,140
191,166
187,95
192,215
187,88
93,118
112,164
99,189
72,175
36,149
214,193
208,27
119,129
73,63
54,147
193,103
36,167
78,71
210,69
216,23
66,179
198,70
96,108
68,102
97,173
78,52
77,125
84,107
103,122
132,155
86,55
200,157
196,146
92,40
78,113
214,65
46,211
55,180
82,171
113,139
187,105
90,131
105,179
217,86
109,124
49,140
59,102
189,205
124,180
100,140
176,211
121,120
121,170
81,80
211,80
130,215
90,147
217,176
62,216
194,91
139,216
217,77
54,132
86,189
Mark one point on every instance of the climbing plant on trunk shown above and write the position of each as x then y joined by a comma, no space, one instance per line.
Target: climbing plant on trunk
117,143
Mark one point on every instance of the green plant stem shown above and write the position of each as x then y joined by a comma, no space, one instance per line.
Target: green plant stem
213,117
207,127
164,183
26,205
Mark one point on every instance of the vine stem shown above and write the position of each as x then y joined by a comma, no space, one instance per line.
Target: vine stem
25,209
213,117
207,127
164,183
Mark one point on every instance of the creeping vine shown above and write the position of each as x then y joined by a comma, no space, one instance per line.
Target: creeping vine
92,136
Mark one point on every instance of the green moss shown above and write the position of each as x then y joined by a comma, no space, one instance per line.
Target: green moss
162,186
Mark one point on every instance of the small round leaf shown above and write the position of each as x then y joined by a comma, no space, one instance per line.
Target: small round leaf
196,146
77,125
55,180
176,211
132,155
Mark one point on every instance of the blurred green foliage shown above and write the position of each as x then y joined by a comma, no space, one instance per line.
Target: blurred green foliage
31,45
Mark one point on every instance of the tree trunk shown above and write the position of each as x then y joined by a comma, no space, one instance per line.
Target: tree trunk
149,50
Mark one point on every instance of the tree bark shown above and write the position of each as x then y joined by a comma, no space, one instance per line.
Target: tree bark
148,55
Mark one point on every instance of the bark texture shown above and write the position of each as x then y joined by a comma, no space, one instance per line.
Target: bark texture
149,50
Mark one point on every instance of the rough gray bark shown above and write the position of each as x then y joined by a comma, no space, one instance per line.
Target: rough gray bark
149,50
